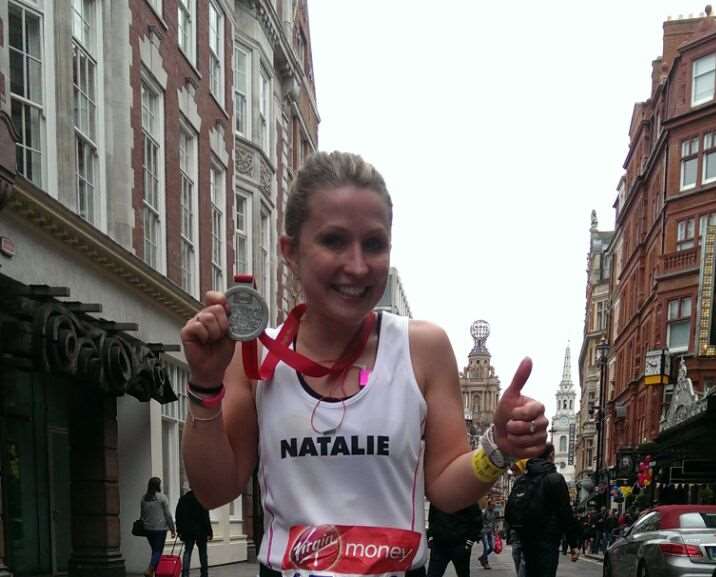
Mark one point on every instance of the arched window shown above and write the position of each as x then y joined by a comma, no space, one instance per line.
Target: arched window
570,403
562,444
564,404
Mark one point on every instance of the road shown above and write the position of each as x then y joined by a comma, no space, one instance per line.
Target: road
501,567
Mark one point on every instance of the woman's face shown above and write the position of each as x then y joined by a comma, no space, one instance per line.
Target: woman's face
342,256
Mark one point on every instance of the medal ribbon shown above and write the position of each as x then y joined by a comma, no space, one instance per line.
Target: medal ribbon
278,350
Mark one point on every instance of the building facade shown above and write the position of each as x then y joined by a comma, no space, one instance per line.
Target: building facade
661,281
590,368
480,388
146,151
564,423
394,299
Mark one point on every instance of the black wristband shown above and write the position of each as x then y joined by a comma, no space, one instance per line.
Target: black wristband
205,390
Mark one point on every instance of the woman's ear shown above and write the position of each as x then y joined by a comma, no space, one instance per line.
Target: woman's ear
287,246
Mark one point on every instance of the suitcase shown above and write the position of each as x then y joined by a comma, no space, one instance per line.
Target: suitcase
169,565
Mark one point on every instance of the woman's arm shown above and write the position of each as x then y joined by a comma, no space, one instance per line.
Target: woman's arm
450,479
220,454
219,449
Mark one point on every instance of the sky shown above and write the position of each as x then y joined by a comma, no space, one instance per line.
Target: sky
498,128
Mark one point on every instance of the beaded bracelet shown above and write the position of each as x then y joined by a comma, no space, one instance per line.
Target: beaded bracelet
213,417
483,468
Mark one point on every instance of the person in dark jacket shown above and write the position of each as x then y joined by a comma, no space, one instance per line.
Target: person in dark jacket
540,542
194,527
451,537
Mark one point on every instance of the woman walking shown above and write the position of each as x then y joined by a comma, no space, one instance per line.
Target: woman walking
154,512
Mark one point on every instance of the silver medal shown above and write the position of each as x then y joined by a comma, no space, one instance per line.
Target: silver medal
249,313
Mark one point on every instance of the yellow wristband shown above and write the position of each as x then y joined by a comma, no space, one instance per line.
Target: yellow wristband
483,468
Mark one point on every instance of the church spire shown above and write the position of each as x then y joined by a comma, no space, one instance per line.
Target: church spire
567,371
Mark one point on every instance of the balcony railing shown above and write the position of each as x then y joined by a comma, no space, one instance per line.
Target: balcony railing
680,260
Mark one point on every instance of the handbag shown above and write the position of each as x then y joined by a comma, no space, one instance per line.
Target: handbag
138,529
498,543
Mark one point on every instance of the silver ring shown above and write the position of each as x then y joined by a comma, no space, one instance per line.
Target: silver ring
532,427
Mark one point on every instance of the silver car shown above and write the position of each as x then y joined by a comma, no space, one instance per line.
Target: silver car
666,541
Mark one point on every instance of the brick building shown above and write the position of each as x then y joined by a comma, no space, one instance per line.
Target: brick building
145,151
661,278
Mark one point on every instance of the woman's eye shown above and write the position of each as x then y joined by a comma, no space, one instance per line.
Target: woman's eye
332,241
375,245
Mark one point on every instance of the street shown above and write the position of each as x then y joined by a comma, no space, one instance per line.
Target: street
501,566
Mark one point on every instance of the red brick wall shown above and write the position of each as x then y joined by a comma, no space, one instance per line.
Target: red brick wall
179,70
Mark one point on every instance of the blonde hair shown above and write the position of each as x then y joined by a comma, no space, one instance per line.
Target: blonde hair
324,170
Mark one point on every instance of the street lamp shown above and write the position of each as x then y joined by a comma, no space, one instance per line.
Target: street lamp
602,354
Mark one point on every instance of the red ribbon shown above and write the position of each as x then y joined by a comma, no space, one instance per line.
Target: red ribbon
278,350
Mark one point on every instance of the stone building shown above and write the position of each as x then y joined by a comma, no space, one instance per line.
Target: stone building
479,385
123,200
595,329
394,299
563,429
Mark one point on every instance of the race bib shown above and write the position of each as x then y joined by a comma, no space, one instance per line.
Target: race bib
347,550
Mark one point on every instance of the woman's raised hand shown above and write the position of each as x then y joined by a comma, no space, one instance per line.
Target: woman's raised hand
207,346
520,424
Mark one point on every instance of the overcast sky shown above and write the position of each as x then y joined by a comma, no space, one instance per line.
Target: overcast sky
498,127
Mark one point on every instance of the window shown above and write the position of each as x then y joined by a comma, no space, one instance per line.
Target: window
689,160
218,244
84,85
678,324
685,234
709,162
590,452
188,201
157,5
241,235
242,88
26,90
216,52
704,74
186,27
697,520
562,443
264,272
600,317
173,417
153,161
264,110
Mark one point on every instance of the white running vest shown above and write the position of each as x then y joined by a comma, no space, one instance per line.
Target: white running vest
350,502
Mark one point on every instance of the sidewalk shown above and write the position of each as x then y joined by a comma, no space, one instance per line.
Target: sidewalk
243,569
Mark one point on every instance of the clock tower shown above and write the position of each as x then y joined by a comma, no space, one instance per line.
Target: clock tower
564,423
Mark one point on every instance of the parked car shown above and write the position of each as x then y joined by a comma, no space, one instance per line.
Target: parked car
666,541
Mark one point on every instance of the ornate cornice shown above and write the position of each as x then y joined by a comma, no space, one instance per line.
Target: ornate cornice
39,333
42,211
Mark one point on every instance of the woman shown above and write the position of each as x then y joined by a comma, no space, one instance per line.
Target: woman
157,519
345,458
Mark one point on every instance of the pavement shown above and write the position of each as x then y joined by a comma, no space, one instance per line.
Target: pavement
501,565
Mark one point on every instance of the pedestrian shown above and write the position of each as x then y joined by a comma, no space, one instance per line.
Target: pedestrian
356,414
513,537
489,527
154,512
539,510
450,539
193,527
611,525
